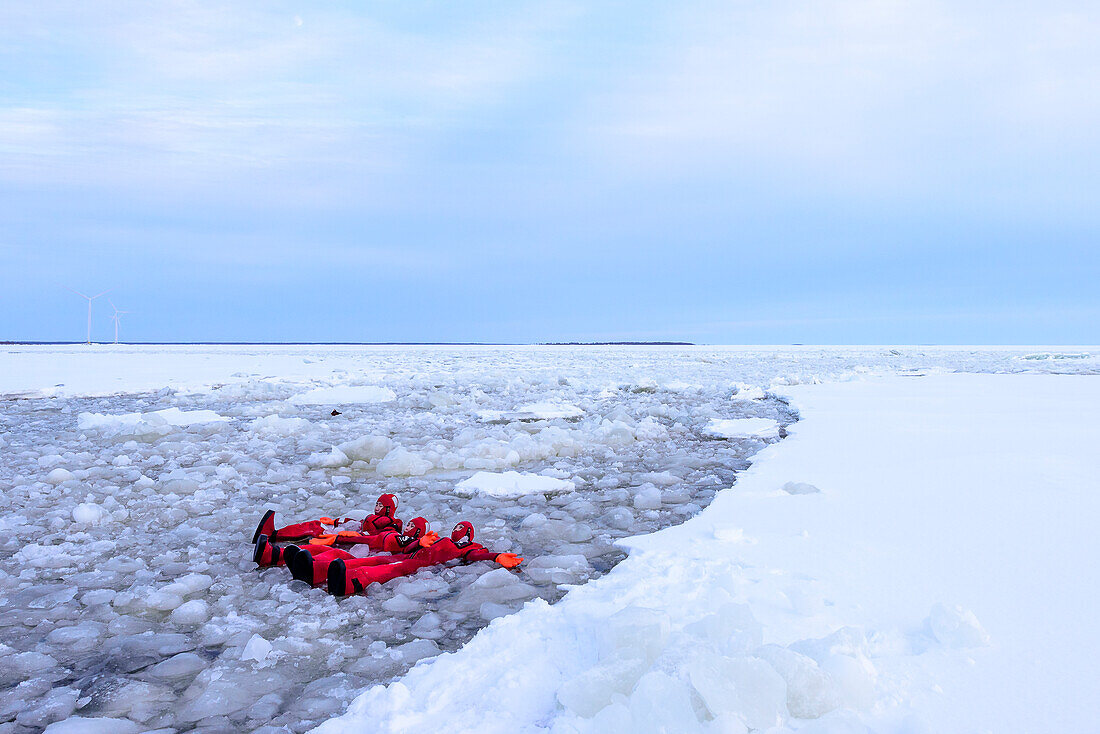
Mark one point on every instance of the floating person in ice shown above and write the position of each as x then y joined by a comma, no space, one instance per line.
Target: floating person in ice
346,576
415,534
384,518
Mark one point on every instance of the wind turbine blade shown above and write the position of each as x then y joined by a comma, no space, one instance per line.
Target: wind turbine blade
97,295
77,292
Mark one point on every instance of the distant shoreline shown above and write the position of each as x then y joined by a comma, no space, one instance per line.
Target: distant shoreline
353,344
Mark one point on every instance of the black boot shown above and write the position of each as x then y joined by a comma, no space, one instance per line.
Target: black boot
266,527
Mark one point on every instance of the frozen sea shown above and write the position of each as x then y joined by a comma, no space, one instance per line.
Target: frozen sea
132,478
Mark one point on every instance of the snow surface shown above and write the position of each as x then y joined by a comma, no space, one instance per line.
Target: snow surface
739,427
511,484
127,591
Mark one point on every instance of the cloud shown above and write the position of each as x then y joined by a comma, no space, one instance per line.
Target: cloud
194,89
865,98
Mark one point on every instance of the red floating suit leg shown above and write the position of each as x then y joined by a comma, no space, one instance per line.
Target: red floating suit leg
298,531
310,562
267,554
343,581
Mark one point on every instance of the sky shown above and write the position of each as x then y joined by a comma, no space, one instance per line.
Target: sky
841,171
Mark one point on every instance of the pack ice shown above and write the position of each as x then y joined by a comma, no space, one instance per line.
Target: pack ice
130,603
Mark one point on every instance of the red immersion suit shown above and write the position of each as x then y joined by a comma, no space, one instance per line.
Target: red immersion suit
384,518
350,576
310,562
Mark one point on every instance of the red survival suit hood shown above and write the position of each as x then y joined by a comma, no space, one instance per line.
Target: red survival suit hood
388,504
415,528
463,533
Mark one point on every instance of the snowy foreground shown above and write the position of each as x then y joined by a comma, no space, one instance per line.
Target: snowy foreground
914,556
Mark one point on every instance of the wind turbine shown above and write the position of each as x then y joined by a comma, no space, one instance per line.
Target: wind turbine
115,317
90,299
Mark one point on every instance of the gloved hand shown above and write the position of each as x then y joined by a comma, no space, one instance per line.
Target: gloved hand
428,539
508,560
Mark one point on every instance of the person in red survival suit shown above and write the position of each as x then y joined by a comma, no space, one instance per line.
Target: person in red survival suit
384,518
351,576
310,562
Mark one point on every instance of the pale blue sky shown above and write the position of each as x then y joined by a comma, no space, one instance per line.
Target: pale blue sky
845,171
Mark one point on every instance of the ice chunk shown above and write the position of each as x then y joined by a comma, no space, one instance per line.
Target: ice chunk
194,582
58,704
86,725
854,677
800,488
400,462
810,693
742,427
593,689
195,611
661,479
956,627
157,422
416,650
745,686
31,662
361,394
532,412
276,425
224,691
59,476
647,498
164,601
568,569
634,631
428,627
89,513
334,458
257,649
661,703
732,628
497,586
98,596
79,637
367,448
401,604
178,666
511,484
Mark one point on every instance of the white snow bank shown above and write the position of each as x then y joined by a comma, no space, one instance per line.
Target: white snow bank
511,484
973,496
142,422
345,395
742,428
532,412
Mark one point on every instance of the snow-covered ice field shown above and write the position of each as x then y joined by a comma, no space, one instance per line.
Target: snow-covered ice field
914,557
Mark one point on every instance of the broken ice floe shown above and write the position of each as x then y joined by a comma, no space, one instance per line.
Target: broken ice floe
511,484
360,394
532,412
159,421
742,428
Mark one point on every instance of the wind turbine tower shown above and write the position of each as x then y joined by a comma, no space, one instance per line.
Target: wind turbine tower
115,317
90,299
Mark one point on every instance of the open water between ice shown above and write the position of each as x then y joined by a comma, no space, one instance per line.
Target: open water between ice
127,588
